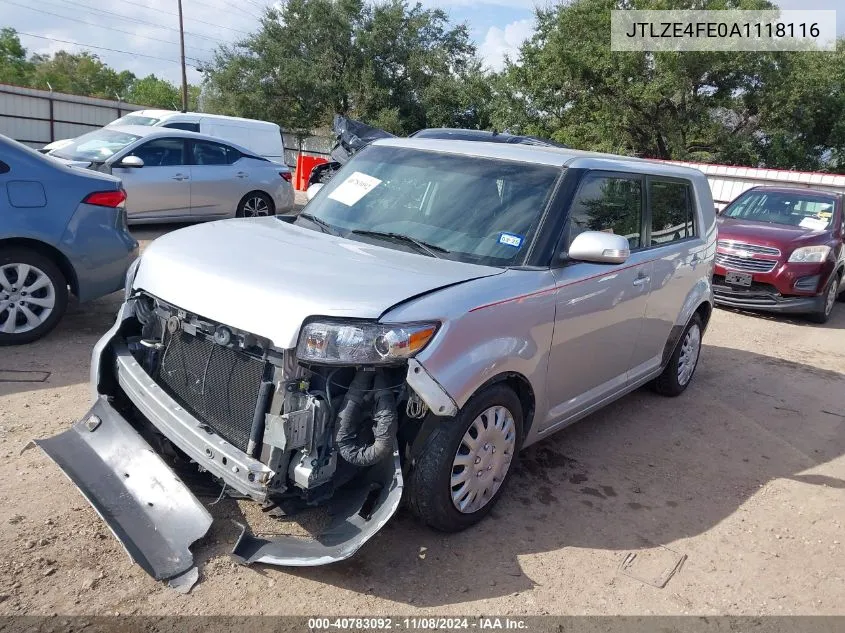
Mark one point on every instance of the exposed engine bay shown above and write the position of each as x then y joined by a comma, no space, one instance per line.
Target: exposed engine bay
260,423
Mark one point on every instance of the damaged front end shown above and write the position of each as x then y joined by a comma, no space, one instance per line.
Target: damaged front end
180,393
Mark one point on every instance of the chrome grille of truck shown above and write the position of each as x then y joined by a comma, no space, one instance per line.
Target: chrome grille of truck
745,264
217,385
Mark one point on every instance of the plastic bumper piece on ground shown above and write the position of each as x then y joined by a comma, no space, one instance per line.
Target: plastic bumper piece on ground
146,506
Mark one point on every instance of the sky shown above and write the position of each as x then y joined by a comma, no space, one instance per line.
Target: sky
143,34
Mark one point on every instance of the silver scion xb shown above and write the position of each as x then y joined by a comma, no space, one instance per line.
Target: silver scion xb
174,175
438,306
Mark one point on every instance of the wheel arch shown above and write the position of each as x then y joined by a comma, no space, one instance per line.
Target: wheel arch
704,311
47,250
521,386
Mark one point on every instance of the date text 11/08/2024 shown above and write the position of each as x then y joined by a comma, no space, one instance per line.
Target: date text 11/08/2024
429,623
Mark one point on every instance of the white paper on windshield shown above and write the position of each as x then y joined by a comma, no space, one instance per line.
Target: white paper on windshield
355,187
813,223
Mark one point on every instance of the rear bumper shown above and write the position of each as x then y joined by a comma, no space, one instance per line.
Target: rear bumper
99,251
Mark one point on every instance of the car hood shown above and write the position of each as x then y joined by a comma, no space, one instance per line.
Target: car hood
779,236
266,276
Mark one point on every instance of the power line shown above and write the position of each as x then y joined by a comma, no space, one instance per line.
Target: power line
102,26
157,10
140,21
102,48
227,5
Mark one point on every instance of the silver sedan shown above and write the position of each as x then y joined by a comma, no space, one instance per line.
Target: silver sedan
174,175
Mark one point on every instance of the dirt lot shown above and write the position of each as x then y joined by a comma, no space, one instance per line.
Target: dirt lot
744,474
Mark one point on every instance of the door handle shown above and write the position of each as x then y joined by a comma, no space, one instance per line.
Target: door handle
242,174
641,280
180,177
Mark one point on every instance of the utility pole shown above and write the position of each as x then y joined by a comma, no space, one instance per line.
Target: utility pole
182,50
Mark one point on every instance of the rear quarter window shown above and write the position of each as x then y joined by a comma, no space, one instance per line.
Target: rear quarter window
672,211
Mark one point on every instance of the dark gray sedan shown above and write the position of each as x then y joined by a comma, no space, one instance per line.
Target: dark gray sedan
62,230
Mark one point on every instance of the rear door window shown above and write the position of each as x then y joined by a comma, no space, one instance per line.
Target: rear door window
609,203
205,153
672,211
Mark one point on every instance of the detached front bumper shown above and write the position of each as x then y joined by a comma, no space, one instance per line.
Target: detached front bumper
155,515
761,297
150,511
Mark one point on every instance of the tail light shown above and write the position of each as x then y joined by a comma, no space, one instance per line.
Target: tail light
113,199
286,176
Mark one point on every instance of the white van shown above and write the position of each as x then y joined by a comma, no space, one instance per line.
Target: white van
262,137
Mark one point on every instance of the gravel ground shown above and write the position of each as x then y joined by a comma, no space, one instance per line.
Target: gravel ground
743,475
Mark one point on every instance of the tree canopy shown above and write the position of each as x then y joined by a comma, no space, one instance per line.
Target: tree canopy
397,66
83,74
776,109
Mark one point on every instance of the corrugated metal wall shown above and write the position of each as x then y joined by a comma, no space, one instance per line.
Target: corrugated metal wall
38,117
727,182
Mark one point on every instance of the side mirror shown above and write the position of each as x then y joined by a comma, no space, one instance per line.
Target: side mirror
600,247
313,189
130,161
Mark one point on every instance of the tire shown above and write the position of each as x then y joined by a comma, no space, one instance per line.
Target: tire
430,490
826,301
678,373
30,311
255,204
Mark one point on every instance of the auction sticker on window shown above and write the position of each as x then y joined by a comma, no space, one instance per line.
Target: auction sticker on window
355,187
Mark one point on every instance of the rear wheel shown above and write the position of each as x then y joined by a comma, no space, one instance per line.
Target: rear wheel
827,301
679,371
462,472
255,205
33,296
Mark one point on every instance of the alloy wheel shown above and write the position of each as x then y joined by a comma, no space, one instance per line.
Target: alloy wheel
483,459
831,296
690,349
256,207
27,298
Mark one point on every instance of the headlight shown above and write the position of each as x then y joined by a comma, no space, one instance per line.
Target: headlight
130,278
361,342
809,254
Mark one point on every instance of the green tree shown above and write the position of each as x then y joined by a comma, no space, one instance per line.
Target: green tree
80,74
396,66
777,109
160,93
14,66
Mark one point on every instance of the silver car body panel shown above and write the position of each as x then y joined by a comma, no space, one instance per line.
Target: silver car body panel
291,272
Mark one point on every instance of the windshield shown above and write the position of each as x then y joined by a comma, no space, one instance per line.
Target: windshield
134,119
470,209
806,210
96,146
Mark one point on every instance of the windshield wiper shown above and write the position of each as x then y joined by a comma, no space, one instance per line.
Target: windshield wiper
425,247
324,226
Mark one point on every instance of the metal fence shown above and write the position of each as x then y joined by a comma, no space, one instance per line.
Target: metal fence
38,117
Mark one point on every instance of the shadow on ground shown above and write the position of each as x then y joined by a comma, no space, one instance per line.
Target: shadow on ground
644,471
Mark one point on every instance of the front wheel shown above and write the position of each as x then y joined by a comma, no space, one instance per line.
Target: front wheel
462,472
679,370
255,205
827,300
33,296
